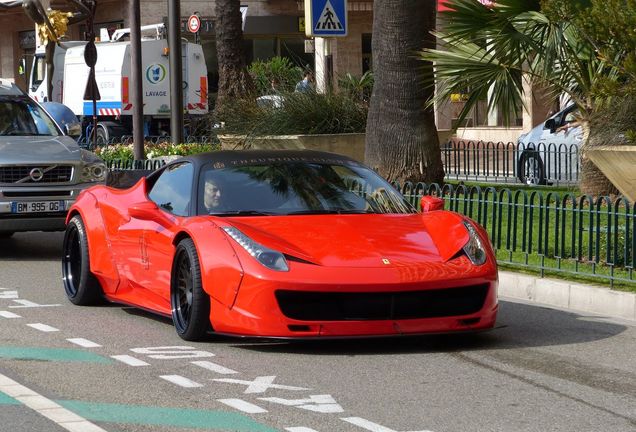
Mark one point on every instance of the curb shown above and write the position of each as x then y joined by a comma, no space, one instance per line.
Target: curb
568,295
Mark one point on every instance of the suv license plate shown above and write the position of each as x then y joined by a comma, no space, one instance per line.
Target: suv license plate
37,206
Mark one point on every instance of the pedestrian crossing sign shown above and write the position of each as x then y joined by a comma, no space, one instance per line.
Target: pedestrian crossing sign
326,18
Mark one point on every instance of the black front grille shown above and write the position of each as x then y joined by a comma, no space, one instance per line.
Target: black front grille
330,306
53,174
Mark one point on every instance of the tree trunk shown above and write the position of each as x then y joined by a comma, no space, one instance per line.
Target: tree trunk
401,137
234,80
592,181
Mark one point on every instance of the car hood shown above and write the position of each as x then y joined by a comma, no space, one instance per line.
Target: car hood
38,149
360,240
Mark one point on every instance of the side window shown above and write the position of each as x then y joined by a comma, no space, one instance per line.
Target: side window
173,189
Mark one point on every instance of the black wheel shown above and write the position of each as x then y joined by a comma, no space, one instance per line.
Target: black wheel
102,136
6,234
81,286
530,168
190,304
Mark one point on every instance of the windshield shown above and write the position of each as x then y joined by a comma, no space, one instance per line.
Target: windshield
303,187
20,116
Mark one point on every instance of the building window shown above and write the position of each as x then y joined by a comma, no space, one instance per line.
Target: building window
367,63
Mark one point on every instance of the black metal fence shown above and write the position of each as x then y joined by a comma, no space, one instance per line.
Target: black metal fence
576,235
540,164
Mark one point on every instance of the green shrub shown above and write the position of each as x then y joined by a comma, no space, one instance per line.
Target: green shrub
124,152
357,87
280,69
300,113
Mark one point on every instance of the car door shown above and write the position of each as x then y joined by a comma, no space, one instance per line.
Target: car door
149,266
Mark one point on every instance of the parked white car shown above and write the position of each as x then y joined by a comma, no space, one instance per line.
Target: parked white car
550,152
42,170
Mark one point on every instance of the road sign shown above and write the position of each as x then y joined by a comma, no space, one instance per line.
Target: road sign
326,18
194,23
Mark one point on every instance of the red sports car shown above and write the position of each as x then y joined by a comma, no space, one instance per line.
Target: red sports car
285,244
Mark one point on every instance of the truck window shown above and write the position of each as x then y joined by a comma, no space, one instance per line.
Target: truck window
38,72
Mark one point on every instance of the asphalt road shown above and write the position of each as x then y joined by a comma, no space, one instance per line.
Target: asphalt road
114,368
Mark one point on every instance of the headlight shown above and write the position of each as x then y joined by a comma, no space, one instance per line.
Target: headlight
474,249
271,259
95,172
93,168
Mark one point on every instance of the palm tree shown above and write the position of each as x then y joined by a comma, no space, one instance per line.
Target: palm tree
401,137
234,80
490,48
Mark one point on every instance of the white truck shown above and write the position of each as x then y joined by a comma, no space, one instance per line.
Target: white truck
112,73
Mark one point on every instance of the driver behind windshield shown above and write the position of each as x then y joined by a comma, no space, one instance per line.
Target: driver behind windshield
212,195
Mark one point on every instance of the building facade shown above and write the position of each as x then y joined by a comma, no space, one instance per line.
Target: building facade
271,28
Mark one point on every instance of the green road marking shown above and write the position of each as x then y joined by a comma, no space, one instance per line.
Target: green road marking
6,400
185,418
51,354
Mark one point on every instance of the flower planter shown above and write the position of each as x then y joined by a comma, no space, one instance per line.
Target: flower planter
617,163
351,145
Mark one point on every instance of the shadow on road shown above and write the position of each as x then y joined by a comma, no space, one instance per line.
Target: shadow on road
32,246
518,326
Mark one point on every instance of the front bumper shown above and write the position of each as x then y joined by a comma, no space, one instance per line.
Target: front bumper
387,306
40,221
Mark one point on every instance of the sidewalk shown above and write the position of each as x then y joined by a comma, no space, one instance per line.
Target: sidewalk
568,295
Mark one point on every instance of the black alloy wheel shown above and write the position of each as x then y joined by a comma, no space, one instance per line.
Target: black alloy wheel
190,304
81,286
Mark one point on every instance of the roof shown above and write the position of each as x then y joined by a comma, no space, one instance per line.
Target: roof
257,157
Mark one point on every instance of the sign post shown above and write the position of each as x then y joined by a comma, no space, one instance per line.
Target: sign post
325,19
194,25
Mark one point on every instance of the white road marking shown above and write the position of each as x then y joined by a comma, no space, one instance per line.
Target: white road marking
325,403
300,429
241,405
30,304
84,343
172,352
370,426
9,295
181,381
260,384
46,407
130,360
214,367
7,314
43,327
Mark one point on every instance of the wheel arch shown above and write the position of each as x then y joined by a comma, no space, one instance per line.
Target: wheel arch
101,262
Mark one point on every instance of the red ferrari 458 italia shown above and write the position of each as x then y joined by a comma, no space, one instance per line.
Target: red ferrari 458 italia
283,244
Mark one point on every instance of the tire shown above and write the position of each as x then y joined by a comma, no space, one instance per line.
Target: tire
81,286
530,169
190,304
102,136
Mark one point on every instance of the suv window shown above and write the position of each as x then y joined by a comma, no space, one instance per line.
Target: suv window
20,116
173,189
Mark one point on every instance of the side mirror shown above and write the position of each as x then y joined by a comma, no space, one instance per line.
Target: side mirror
22,67
550,124
431,203
149,211
74,129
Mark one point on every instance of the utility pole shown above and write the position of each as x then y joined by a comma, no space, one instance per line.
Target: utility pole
176,72
136,80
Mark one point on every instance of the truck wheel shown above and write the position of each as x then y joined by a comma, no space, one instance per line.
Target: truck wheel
530,169
102,136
